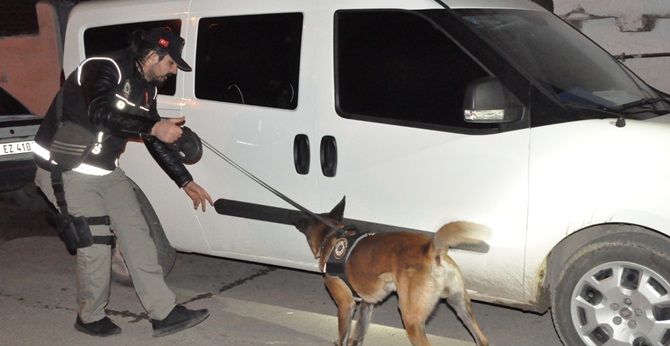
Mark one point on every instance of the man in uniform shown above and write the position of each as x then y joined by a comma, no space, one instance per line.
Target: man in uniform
115,97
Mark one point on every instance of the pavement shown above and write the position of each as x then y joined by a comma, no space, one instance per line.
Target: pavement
38,307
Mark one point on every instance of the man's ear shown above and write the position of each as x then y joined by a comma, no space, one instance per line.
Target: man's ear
338,212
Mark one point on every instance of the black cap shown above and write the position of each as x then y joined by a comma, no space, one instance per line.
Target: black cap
166,40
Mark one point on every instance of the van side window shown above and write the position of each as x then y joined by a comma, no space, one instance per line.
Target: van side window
253,60
102,39
396,67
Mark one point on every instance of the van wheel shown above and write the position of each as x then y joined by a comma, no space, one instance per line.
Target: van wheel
615,292
167,255
120,272
27,197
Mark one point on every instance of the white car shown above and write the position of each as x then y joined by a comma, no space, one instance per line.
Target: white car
18,126
419,112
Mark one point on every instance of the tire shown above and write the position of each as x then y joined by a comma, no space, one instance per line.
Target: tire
615,292
120,272
27,197
167,255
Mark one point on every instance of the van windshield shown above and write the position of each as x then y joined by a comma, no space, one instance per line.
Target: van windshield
559,59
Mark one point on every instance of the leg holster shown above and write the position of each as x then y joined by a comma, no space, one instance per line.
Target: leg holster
74,230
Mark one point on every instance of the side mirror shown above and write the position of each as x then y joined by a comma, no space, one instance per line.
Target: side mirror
488,101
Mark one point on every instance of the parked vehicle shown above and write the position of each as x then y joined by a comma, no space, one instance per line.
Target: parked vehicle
18,126
420,112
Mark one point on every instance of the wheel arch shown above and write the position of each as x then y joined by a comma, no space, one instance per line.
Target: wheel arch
571,244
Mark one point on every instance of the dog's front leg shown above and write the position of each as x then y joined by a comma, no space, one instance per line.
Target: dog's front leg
346,306
362,324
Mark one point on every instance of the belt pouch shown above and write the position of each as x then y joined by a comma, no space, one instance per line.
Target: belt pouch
71,144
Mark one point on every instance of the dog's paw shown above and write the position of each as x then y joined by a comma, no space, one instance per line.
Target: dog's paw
354,343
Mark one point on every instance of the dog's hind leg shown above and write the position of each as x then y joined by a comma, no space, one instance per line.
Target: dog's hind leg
362,324
463,308
415,308
459,300
416,330
346,307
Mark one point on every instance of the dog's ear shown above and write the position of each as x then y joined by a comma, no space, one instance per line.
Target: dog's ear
338,212
299,220
305,225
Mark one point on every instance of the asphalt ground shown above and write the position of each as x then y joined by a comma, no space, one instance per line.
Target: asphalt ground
37,297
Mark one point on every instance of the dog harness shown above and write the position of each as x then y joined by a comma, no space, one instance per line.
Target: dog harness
336,264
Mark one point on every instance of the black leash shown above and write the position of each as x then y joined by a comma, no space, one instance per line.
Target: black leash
330,224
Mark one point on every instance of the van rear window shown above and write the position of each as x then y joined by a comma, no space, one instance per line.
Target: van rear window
253,60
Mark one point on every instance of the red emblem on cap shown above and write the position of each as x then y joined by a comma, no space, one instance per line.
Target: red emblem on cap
164,42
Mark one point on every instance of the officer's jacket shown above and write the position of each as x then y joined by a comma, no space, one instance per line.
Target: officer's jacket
110,96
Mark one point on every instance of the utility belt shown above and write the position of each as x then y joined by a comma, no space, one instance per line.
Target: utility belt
74,230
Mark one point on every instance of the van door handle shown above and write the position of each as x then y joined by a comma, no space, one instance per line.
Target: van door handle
301,154
328,156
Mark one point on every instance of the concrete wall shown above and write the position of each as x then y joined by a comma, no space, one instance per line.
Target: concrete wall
626,27
30,65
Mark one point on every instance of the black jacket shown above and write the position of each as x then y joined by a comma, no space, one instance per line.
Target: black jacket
110,95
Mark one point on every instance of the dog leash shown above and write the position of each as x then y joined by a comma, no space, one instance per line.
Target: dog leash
330,224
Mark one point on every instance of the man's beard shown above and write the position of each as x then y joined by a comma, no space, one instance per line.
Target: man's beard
158,82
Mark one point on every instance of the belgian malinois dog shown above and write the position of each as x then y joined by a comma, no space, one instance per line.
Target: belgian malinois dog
375,265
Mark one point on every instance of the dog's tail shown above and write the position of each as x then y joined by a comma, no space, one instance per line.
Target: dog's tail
462,234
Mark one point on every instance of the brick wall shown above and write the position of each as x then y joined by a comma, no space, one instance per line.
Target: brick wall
30,64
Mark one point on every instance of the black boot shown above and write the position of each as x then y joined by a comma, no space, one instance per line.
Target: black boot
103,327
178,319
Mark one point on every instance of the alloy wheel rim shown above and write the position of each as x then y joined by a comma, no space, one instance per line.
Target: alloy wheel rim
621,303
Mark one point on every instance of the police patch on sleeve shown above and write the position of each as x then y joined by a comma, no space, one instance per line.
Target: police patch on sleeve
127,89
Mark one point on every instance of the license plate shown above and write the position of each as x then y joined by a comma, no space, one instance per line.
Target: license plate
16,148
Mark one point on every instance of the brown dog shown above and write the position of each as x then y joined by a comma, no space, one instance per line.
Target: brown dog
413,264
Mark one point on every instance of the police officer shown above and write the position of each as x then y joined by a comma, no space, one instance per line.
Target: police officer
115,96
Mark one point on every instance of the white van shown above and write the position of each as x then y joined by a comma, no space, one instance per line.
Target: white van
419,112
